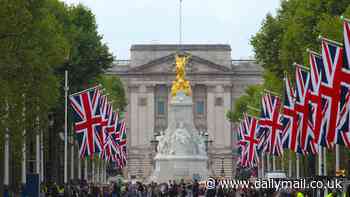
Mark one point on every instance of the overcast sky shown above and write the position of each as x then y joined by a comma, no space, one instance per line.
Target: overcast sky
127,22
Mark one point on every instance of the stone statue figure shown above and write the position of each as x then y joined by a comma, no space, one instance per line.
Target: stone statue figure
181,150
180,83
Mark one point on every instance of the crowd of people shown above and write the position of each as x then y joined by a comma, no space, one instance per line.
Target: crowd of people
134,189
169,189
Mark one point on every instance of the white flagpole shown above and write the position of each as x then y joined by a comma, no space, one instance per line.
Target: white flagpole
337,161
268,162
79,168
324,161
319,167
98,177
180,23
24,155
325,167
319,160
290,164
262,166
42,157
298,165
105,172
65,126
72,160
6,159
273,163
93,171
37,143
86,169
282,162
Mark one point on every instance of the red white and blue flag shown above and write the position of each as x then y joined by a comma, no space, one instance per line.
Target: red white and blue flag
87,117
302,107
270,130
241,131
251,143
332,56
290,139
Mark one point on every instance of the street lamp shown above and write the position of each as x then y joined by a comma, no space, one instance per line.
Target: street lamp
222,167
155,141
140,172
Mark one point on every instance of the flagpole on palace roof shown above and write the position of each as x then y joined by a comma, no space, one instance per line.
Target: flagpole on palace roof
180,24
65,126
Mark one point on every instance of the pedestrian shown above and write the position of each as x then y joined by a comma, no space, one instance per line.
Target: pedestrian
195,189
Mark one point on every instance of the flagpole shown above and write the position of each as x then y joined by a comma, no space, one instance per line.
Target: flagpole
268,162
79,166
180,23
325,167
282,162
42,156
24,146
330,41
273,163
84,90
319,167
337,161
72,159
324,161
298,165
86,169
37,144
93,171
262,166
6,152
65,125
290,164
98,177
105,172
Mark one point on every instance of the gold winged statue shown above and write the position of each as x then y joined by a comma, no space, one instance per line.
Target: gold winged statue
180,83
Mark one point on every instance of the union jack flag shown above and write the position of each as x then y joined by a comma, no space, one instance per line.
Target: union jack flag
243,130
87,117
317,104
106,110
271,128
290,133
302,107
332,56
240,143
347,44
343,122
251,140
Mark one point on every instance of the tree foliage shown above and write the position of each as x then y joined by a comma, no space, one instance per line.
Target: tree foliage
283,40
39,40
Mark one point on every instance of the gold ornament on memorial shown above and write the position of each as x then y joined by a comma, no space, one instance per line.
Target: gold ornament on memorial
180,83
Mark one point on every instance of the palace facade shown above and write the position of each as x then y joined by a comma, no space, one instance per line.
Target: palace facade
216,81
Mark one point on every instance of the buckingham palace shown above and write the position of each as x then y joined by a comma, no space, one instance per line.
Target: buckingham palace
216,81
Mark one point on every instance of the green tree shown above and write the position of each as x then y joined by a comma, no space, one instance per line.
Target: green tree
114,87
284,38
31,44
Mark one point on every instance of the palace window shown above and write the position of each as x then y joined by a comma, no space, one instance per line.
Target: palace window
200,107
218,101
142,101
160,107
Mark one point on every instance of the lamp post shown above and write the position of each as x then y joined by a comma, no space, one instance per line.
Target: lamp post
222,167
140,172
154,143
207,144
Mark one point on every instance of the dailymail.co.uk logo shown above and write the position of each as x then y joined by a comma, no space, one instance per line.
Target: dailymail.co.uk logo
211,183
